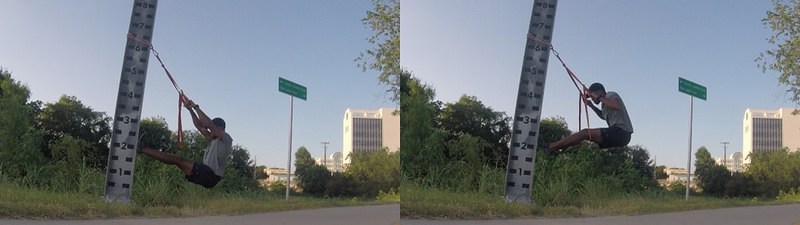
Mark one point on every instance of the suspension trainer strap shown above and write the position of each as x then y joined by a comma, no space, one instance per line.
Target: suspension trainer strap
178,89
575,80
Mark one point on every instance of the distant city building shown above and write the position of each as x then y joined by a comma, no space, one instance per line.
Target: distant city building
370,130
277,174
769,130
675,174
334,162
679,175
734,163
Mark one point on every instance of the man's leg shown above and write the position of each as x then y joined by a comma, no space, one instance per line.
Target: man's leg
576,138
184,164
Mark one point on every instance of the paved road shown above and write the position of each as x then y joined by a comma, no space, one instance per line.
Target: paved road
767,215
382,214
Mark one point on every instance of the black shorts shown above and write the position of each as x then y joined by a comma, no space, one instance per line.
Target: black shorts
614,137
203,175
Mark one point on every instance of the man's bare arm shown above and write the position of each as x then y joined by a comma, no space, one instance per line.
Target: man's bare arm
200,127
217,132
597,111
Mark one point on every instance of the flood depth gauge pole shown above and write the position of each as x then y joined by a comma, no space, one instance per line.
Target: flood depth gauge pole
522,150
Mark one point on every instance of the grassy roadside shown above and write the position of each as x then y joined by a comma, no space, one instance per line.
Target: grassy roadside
19,202
430,203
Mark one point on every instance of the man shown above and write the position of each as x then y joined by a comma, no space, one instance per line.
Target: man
210,171
613,111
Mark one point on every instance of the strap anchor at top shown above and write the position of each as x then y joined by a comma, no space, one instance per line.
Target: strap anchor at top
181,96
573,77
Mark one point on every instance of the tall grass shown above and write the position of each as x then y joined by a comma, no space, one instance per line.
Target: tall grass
23,202
596,199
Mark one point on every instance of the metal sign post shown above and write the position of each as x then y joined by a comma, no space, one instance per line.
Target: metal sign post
524,140
693,90
293,90
689,161
119,176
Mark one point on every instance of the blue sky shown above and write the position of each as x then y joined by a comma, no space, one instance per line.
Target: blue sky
636,48
227,57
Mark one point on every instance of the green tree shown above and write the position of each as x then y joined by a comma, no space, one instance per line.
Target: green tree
341,184
68,116
775,171
310,176
194,145
784,20
712,177
260,174
302,160
238,171
640,159
741,185
470,116
156,134
240,161
314,180
660,174
703,160
714,180
421,143
19,148
384,55
552,129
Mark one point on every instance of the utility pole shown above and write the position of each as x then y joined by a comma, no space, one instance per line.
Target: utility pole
325,153
725,153
655,165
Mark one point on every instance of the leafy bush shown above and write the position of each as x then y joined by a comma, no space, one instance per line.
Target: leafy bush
277,187
341,185
374,171
775,171
677,187
314,180
389,196
793,195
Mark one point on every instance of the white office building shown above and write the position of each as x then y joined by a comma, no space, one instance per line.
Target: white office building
769,130
734,163
370,130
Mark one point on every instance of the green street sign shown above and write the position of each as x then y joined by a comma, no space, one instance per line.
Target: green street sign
291,88
691,88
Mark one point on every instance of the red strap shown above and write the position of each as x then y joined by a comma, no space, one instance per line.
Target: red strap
180,124
580,98
181,96
574,79
169,75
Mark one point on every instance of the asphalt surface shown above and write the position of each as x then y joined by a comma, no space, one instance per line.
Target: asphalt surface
381,214
758,215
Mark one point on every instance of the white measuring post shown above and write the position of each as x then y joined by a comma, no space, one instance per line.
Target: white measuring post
293,90
525,136
122,153
693,90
